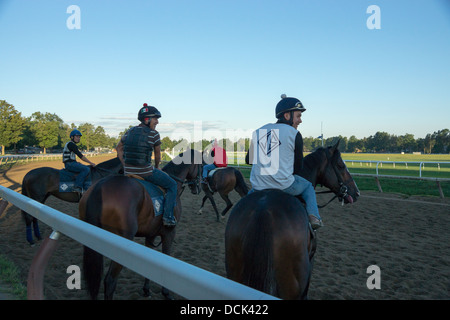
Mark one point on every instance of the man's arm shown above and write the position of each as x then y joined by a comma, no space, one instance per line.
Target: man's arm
119,149
88,161
73,147
249,155
157,150
298,154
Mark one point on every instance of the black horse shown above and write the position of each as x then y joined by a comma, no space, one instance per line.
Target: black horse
122,205
38,184
224,180
269,244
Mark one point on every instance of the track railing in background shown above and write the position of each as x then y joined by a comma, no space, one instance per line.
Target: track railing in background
182,278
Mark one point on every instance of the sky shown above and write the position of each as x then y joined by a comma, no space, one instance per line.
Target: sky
216,68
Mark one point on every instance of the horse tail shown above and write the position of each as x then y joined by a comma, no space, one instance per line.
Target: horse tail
257,249
92,260
241,186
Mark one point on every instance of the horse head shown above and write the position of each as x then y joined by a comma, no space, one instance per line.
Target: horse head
187,168
335,176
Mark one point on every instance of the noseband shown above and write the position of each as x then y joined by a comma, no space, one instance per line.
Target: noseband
343,190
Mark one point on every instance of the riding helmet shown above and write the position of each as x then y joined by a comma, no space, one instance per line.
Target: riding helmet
75,132
148,112
287,104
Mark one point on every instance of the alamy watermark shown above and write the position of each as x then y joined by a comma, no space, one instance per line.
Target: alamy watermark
374,20
74,20
374,280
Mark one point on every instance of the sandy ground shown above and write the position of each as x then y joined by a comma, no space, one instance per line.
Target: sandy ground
407,238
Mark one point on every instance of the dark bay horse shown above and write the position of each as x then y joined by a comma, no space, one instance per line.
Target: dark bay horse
269,244
121,205
224,181
38,184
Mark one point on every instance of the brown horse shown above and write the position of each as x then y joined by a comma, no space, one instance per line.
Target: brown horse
269,244
40,183
122,205
224,181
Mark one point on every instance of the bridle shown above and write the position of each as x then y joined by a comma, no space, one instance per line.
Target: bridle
189,182
343,190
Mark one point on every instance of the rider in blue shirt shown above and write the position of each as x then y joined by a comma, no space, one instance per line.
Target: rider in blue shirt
70,154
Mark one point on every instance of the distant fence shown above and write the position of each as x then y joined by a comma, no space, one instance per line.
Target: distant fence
24,158
184,279
402,165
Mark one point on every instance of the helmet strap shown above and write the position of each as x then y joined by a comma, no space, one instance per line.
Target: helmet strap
145,120
283,119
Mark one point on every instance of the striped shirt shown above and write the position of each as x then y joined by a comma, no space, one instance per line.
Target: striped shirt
154,141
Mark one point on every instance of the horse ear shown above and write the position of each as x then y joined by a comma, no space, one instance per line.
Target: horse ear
335,147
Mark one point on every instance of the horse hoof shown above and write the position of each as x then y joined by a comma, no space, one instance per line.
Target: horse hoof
166,293
146,293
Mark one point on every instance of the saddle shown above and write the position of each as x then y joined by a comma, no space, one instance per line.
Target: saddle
67,180
156,193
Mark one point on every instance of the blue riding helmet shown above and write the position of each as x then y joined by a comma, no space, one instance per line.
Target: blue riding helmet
288,104
75,132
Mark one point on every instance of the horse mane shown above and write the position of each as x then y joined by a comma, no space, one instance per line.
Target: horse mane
312,160
109,164
176,166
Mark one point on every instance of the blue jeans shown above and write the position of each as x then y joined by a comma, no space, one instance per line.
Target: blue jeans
306,189
82,170
207,168
162,179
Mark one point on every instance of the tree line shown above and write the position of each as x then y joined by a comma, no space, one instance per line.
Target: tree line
48,131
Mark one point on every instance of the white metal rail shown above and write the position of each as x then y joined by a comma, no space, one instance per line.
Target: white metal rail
182,278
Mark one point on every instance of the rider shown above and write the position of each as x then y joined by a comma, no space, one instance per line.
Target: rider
135,152
220,161
70,153
276,154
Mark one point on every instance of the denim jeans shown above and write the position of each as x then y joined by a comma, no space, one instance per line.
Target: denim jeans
82,170
306,189
162,179
207,168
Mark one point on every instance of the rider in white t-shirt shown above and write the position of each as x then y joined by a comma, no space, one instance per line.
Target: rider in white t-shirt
276,155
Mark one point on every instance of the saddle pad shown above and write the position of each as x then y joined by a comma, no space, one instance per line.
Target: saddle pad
67,181
156,194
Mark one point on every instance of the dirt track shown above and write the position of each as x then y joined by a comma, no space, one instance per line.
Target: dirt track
408,239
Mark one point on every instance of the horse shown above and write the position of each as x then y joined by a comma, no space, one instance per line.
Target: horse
224,181
269,243
121,204
38,184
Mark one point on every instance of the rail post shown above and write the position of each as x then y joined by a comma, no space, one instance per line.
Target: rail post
35,281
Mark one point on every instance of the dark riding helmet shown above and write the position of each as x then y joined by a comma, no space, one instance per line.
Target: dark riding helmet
287,104
74,133
148,112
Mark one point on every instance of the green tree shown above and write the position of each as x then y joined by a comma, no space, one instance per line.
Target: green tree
11,125
46,128
442,141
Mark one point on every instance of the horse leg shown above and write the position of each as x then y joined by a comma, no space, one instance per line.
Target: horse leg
167,240
37,232
28,232
200,211
111,279
146,287
211,198
228,202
